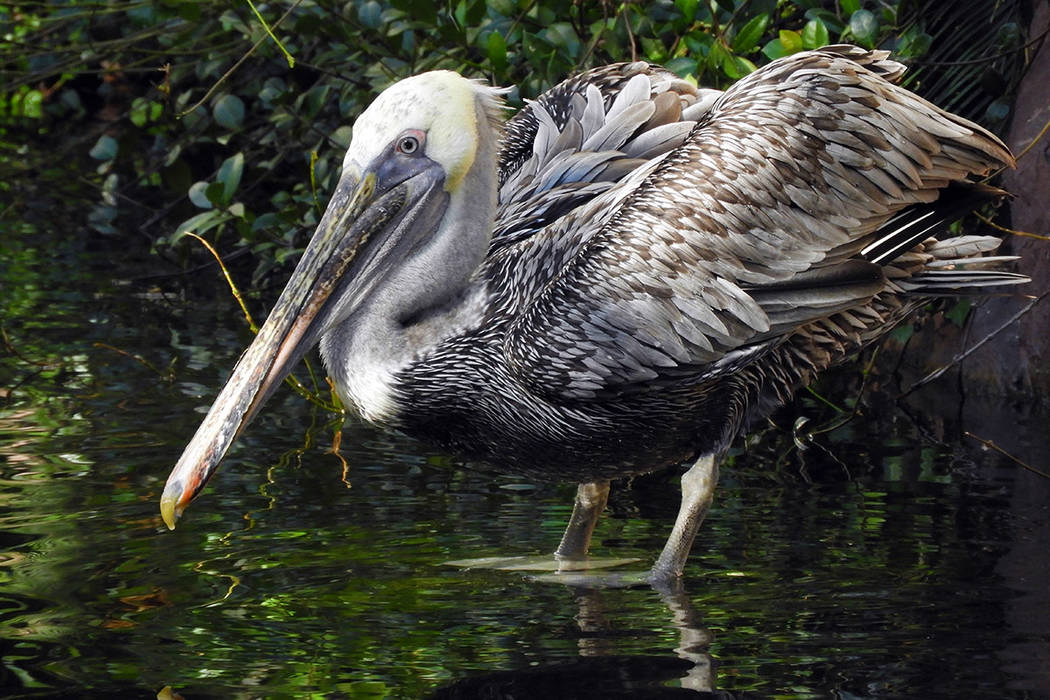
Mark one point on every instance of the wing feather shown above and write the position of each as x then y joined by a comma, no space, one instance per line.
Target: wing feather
599,126
738,229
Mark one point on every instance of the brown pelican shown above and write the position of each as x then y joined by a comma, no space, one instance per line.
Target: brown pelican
625,274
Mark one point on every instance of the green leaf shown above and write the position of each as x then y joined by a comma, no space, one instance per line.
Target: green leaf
849,6
687,8
681,66
33,104
1009,35
718,55
729,67
424,11
699,43
139,113
562,35
654,49
341,136
264,220
198,195
105,148
214,193
190,11
864,27
230,175
915,44
199,224
747,38
738,66
774,49
370,14
997,111
229,111
958,313
101,219
496,48
903,333
791,41
502,7
316,99
815,34
283,254
836,26
475,11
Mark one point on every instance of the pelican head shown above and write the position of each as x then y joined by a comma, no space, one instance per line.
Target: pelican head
407,225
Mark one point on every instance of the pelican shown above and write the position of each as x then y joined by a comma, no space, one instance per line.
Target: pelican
624,275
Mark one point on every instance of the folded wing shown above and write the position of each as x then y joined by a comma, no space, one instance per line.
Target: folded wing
655,249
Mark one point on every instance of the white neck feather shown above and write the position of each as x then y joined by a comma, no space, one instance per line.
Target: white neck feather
428,298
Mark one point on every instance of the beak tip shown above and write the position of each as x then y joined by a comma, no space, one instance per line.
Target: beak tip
170,508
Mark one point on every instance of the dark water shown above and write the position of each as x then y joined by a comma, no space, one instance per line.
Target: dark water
891,558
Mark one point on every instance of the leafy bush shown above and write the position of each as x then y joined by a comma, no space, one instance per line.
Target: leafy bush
229,119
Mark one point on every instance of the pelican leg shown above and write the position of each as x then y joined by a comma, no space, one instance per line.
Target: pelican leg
591,498
571,555
698,490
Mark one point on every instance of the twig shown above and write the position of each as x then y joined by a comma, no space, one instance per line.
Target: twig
313,181
10,347
337,441
991,445
1011,231
240,252
833,425
292,381
630,34
1037,139
969,351
169,375
986,59
229,280
227,74
287,56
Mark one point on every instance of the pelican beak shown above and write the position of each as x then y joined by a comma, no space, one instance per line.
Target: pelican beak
338,265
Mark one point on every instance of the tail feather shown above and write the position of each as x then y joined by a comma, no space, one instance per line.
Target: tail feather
984,262
962,246
952,282
958,266
917,223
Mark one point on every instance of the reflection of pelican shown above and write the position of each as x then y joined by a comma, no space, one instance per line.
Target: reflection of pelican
602,669
623,276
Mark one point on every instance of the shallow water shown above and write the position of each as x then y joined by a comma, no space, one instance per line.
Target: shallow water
890,558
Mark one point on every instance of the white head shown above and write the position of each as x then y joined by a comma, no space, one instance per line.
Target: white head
443,107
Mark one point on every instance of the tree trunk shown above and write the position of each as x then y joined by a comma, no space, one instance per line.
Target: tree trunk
1017,361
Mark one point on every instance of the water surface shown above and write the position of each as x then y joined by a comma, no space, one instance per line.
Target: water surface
892,557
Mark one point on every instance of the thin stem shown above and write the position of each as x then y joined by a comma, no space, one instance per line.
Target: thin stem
288,57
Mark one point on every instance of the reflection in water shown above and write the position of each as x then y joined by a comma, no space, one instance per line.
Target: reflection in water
587,678
600,671
891,558
693,640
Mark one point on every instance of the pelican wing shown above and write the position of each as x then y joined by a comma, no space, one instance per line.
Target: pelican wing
584,135
775,211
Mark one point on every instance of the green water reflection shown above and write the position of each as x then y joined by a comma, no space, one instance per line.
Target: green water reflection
887,560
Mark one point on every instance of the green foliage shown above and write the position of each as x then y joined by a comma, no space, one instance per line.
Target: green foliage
229,118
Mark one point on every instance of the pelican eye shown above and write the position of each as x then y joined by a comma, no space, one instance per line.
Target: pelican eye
409,144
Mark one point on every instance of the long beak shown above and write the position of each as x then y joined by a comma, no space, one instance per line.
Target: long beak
293,327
